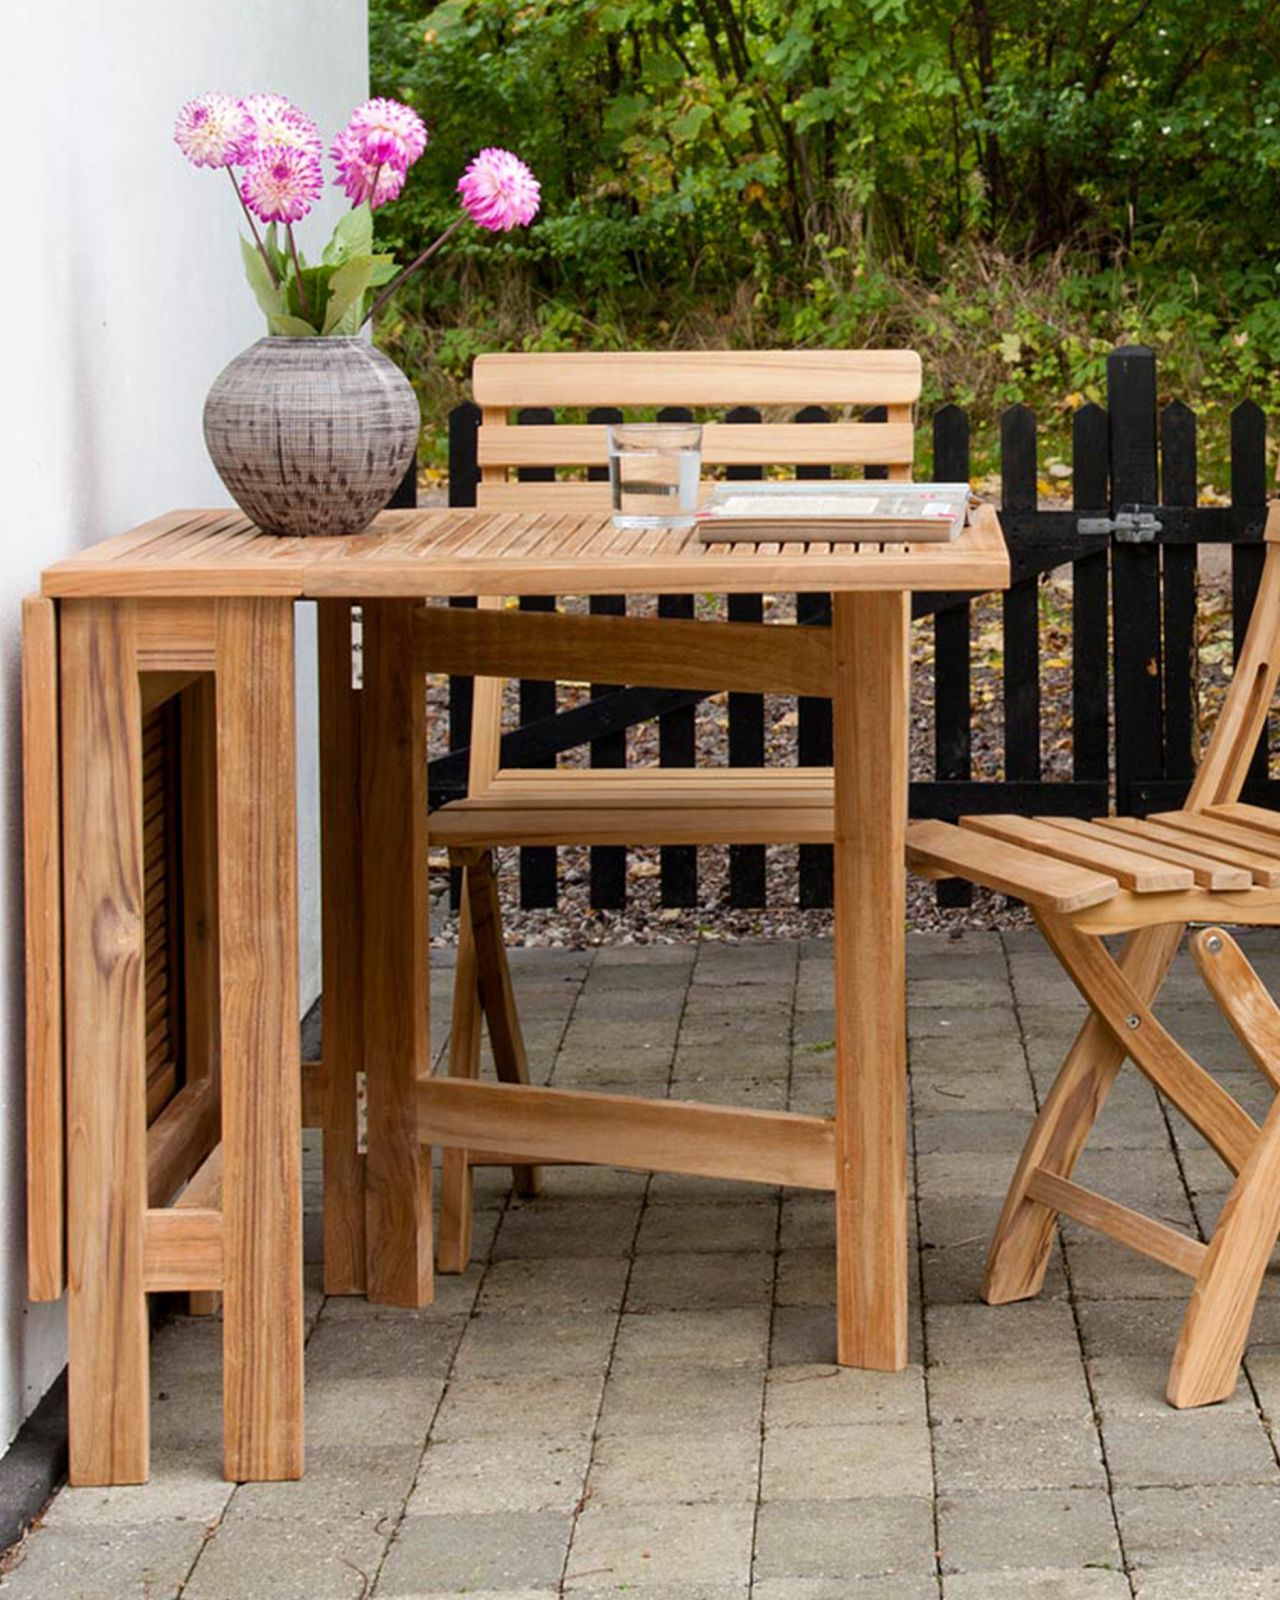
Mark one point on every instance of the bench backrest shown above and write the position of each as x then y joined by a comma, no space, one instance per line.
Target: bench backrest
706,383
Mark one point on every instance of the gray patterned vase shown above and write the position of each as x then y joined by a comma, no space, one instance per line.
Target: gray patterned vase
311,436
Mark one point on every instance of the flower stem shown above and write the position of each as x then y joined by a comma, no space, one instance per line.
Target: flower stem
297,267
411,269
253,229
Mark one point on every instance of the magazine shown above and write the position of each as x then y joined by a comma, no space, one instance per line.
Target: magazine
866,512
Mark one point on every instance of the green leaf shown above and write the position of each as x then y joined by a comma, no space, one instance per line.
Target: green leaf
269,297
385,268
346,295
689,124
275,255
307,297
352,237
284,326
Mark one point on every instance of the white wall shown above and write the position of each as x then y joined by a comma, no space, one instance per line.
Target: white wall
123,297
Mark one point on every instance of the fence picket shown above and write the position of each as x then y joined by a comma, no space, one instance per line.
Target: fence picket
746,718
1135,579
1178,487
608,869
1248,489
952,649
1090,476
1133,626
677,747
813,730
464,479
537,700
1021,606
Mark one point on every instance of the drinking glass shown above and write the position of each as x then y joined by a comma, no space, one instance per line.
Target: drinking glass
654,469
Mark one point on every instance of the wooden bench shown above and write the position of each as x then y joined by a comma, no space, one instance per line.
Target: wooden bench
633,806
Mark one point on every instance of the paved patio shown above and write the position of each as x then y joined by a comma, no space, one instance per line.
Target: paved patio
633,1394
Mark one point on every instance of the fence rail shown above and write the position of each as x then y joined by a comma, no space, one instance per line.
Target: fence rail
1130,539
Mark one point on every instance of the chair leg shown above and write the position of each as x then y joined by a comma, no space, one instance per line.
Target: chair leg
453,1248
1242,998
493,977
1211,1345
1020,1246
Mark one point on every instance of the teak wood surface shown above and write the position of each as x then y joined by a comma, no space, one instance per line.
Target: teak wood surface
205,601
1215,860
418,554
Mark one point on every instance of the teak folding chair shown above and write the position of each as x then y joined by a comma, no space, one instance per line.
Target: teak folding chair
1215,861
635,806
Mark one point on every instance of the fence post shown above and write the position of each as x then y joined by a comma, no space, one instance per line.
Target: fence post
1135,577
952,650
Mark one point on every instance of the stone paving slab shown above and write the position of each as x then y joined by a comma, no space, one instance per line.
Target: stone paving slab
632,1393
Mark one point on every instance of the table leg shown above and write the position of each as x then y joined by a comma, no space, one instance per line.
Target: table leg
396,934
870,731
108,1397
261,1073
343,985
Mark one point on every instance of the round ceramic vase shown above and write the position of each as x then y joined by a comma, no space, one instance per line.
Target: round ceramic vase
311,436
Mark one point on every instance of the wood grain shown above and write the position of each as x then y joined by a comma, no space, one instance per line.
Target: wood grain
1242,998
1122,1223
1019,1253
396,924
698,378
182,1249
723,444
940,849
261,1070
181,1138
1206,1359
107,1336
1154,1051
445,552
658,653
626,1131
1131,870
870,722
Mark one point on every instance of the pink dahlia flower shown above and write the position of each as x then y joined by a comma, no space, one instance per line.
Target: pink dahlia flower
281,183
212,130
362,179
499,192
276,121
387,131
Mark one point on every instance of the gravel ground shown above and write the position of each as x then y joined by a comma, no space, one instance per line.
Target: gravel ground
574,924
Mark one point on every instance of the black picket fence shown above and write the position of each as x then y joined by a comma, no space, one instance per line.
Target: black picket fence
1130,538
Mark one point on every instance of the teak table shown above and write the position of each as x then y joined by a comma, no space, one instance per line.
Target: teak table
198,603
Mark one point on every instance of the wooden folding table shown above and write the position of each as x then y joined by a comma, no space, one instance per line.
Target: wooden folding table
199,601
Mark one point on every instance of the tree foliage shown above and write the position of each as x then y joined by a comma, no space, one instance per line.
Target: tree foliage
713,137
1011,185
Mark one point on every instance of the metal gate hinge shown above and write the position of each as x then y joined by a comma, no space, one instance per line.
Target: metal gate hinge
1130,525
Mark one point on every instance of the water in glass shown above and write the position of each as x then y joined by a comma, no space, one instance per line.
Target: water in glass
654,469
